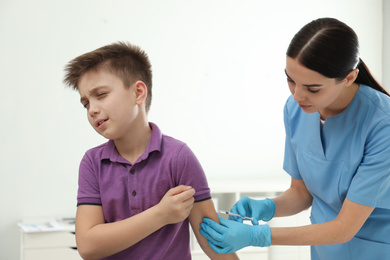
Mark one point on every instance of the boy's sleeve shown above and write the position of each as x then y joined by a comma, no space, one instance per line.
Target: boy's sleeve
88,192
190,172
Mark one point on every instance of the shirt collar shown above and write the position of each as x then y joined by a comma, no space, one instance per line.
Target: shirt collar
155,141
110,152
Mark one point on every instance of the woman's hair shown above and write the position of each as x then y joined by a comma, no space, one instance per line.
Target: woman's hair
331,48
126,61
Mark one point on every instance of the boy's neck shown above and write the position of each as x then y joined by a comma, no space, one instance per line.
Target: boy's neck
136,142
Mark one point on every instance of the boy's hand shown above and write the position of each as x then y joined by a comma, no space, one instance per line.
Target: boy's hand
176,204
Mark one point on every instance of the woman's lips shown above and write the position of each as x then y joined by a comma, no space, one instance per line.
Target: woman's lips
304,106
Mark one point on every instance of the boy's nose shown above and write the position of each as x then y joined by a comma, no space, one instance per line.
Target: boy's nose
93,109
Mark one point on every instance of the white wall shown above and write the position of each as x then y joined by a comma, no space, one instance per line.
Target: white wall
218,85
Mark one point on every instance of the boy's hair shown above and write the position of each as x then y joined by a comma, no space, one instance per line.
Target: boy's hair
126,61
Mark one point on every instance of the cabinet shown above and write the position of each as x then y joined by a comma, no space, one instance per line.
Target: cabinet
59,245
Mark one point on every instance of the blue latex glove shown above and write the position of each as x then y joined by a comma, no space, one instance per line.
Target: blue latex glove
230,236
256,209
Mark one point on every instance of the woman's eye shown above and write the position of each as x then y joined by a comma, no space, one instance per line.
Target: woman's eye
312,91
290,80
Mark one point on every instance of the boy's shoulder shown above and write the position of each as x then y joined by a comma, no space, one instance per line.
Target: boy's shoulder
103,150
160,141
169,140
173,148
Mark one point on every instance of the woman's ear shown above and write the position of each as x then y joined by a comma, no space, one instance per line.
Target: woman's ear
141,92
351,77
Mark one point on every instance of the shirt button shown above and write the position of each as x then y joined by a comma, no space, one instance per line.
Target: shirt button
132,171
134,193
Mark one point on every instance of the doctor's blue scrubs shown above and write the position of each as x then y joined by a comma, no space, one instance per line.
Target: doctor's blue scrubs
346,157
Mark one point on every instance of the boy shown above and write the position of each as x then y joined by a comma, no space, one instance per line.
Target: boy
137,191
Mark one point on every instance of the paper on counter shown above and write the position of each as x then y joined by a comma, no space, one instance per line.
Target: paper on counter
45,226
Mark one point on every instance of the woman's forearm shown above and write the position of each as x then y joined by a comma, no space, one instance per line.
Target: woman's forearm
326,233
343,228
294,200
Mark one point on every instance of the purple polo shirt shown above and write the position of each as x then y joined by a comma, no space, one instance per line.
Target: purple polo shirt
124,190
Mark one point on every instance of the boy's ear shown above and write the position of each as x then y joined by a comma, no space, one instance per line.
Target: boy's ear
141,92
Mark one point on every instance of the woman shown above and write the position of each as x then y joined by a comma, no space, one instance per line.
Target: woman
337,152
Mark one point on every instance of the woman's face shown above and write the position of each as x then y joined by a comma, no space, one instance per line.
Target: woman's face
314,92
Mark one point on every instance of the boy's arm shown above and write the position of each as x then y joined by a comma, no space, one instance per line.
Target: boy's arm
97,239
199,211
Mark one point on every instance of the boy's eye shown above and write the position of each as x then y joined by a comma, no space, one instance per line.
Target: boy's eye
101,94
85,104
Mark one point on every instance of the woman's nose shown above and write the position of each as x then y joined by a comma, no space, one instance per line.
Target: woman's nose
298,94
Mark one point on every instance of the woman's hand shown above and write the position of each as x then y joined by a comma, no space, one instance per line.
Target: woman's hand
230,236
256,209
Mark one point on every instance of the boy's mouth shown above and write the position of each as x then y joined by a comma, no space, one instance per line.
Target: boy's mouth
100,122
